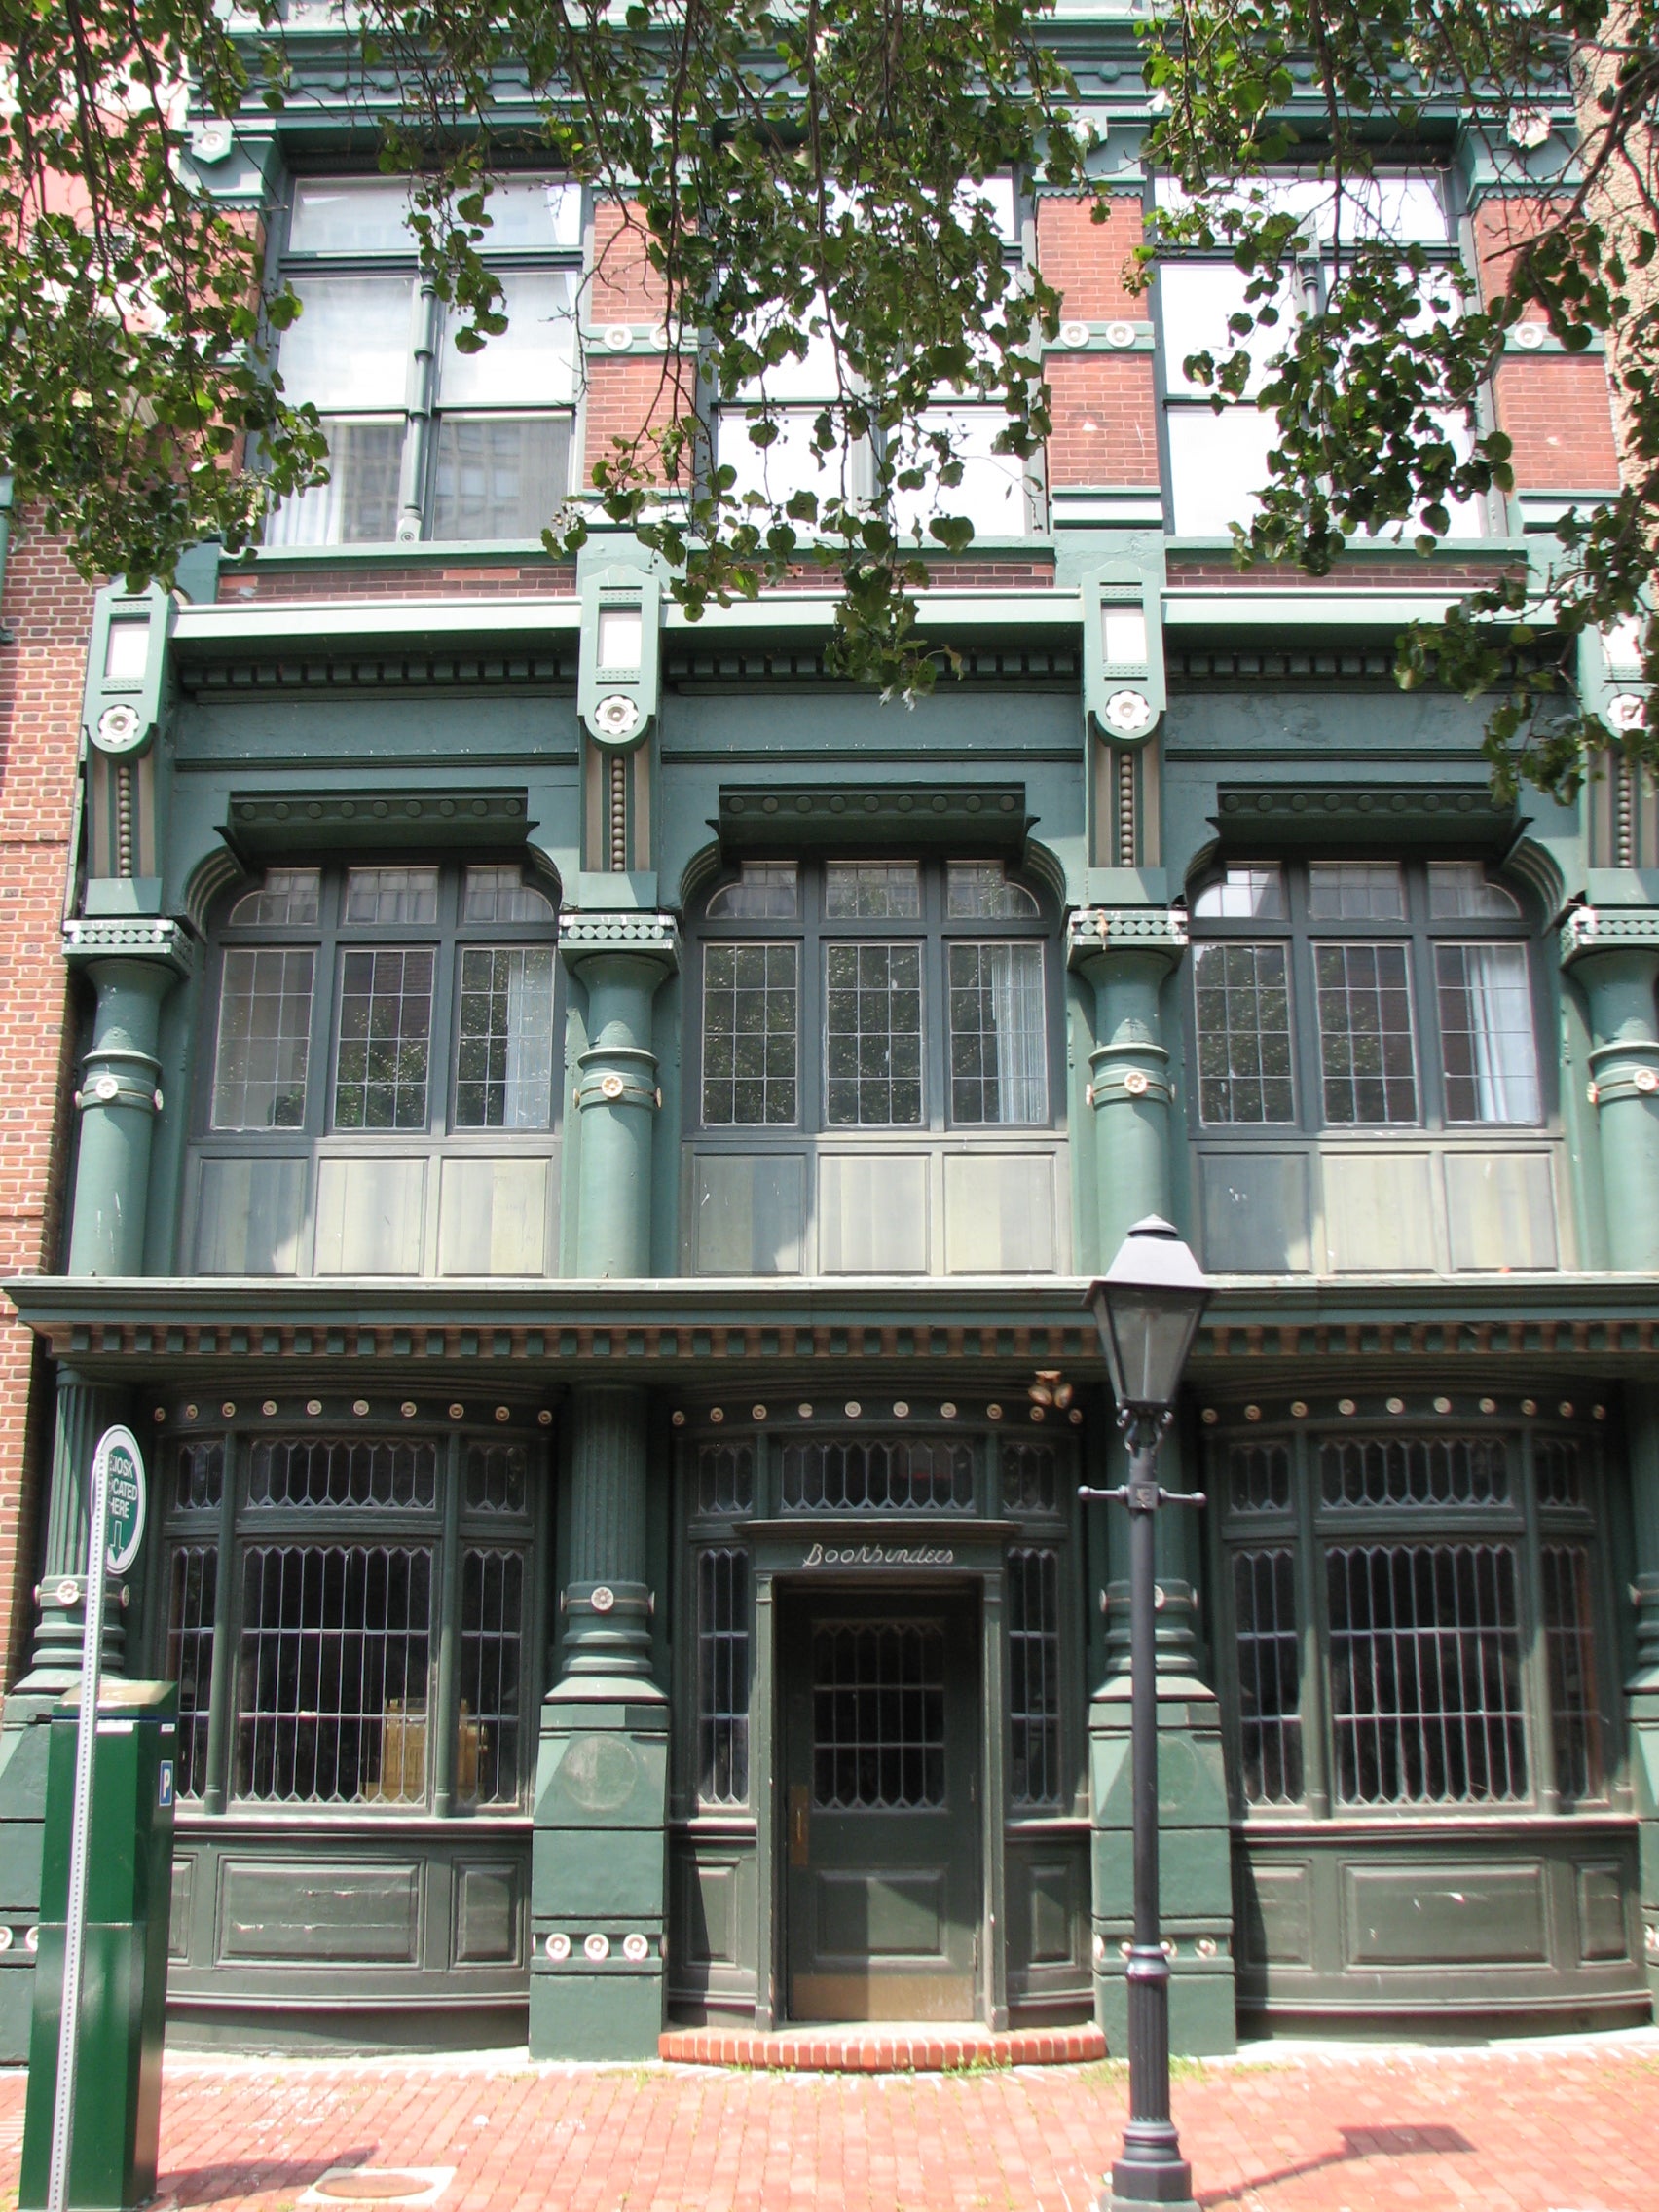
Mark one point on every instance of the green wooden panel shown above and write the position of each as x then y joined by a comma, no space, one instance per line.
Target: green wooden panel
1460,1914
489,1914
347,1912
881,1916
999,1213
1275,1914
248,1217
708,1920
1255,1213
20,1845
493,1217
178,1915
1380,1211
1501,1209
747,1213
1603,1928
369,1216
872,1214
593,1876
1049,1889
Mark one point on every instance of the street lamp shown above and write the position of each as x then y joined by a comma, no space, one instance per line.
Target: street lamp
1147,1309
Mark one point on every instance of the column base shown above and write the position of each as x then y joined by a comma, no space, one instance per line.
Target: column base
24,1743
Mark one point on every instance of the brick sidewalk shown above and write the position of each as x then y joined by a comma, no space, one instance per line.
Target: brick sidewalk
1559,2129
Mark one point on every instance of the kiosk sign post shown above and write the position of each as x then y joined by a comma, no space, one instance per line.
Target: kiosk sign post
115,1515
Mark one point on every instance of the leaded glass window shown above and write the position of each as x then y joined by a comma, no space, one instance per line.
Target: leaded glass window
195,1583
751,1034
383,1051
1269,1676
872,1035
263,1041
872,891
504,1039
999,1045
492,1694
1486,1033
342,1471
1034,1677
877,1716
1244,1041
877,1474
1367,1051
723,1677
1570,1651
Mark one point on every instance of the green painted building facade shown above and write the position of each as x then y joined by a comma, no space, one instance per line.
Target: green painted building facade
592,1137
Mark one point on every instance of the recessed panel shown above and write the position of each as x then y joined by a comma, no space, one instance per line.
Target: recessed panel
248,1217
1501,1209
872,1214
1379,1212
369,1216
1255,1213
1603,1929
883,1915
999,1213
1446,1915
317,1914
487,1914
747,1213
493,1217
1275,1916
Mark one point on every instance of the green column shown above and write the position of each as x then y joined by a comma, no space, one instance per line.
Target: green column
131,965
599,1856
1195,1835
1126,955
84,1411
1613,955
1642,1691
621,961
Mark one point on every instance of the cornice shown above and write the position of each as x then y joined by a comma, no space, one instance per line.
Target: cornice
130,936
583,935
1094,930
262,821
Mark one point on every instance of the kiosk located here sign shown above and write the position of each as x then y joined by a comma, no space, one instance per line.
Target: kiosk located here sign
124,1480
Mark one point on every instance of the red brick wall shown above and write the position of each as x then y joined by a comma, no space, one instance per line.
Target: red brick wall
625,395
1105,419
1088,261
624,286
1556,408
48,609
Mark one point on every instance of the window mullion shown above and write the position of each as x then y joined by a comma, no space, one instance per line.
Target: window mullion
417,422
226,1633
446,1720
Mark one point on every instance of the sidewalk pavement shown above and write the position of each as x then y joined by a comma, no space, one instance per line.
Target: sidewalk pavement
1571,2126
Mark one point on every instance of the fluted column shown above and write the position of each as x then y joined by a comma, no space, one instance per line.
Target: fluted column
622,961
607,1637
1642,1689
1126,955
1612,954
131,965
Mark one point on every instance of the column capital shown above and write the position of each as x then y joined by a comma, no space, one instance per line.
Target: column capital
650,936
1091,931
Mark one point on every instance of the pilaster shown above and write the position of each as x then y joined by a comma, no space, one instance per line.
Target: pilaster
1125,955
622,960
1642,1691
599,1851
133,962
1612,954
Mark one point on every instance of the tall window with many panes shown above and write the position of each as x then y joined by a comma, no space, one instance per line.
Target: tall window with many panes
426,438
1218,453
1352,995
874,994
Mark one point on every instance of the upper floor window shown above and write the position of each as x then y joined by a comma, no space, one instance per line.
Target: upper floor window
426,440
874,994
996,491
406,997
1317,983
1218,461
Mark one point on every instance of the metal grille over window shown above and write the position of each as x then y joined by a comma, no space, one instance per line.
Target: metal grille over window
872,1035
884,1474
1569,1647
1269,1677
1258,1478
877,1716
1030,1478
491,1640
335,1650
1425,1674
497,1476
264,1040
385,1038
1559,1472
1034,1677
722,1677
1365,1033
338,1470
189,1658
198,1474
1244,1047
998,1047
726,1478
749,1018
1414,1470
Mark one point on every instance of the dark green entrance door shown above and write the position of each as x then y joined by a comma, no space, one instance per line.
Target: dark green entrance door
881,1731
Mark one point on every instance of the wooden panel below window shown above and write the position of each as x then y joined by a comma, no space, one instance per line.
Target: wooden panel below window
1501,1209
493,1217
370,1215
747,1213
872,1214
1255,1213
1379,1212
999,1213
248,1217
348,1912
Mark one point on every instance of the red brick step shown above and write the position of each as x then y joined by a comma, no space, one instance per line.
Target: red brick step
867,2048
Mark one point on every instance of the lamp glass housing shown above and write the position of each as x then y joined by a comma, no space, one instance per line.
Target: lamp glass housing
1147,1308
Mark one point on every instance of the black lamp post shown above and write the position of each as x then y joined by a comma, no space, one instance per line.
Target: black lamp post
1147,1309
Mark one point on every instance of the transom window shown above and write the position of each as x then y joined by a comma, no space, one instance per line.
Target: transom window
426,440
369,999
874,994
1321,990
1430,1566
